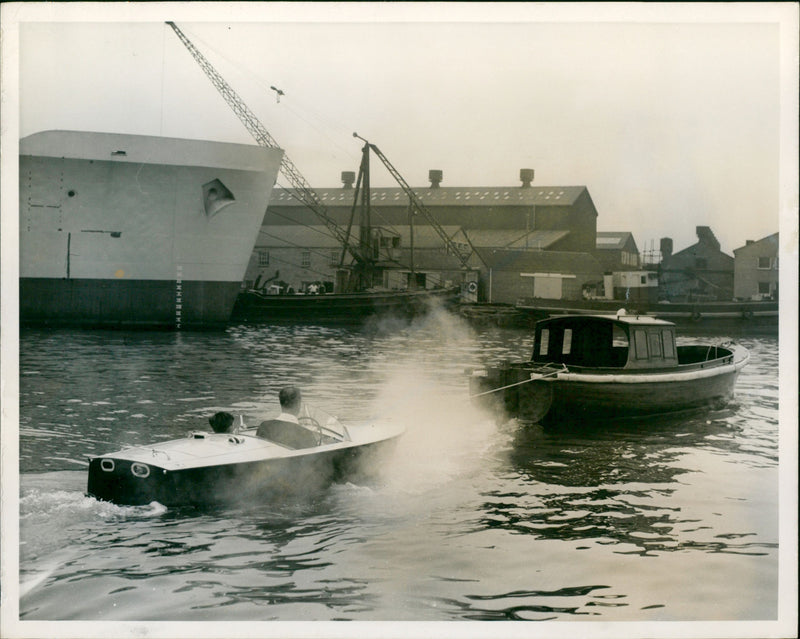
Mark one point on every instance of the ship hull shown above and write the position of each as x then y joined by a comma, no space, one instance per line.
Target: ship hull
97,303
137,231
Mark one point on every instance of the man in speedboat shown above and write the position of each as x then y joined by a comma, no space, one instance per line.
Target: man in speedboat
285,429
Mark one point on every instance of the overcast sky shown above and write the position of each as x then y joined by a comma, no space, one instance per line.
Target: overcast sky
671,118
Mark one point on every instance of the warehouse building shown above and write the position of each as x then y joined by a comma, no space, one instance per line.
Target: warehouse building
296,249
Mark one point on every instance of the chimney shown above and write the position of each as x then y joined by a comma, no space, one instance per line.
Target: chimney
348,177
526,175
435,176
666,248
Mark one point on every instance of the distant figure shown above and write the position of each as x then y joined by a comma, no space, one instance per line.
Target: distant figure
221,422
285,429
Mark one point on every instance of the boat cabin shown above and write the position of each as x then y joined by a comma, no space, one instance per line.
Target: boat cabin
606,341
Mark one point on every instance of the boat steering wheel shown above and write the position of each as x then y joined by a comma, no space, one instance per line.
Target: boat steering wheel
311,423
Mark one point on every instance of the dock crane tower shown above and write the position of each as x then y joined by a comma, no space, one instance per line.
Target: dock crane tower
361,254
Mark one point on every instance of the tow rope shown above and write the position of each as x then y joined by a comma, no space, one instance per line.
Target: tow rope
534,378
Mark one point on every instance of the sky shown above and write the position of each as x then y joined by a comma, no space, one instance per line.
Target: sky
671,118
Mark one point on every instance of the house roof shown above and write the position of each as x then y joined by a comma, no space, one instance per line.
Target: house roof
318,235
770,239
448,195
612,240
539,261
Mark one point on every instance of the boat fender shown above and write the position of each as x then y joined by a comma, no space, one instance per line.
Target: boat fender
696,317
747,315
472,287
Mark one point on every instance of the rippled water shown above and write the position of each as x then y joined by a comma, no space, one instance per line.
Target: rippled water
672,519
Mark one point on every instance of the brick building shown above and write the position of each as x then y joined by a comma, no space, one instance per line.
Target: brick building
755,269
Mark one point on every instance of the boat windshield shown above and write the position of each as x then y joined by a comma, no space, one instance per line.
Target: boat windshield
315,427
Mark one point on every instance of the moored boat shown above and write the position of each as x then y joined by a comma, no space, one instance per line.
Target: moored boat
598,367
738,316
137,231
206,468
339,308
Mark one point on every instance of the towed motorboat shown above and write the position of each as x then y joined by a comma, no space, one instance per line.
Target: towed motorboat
598,367
210,468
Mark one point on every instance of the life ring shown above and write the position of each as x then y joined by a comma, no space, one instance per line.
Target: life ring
696,317
472,287
747,315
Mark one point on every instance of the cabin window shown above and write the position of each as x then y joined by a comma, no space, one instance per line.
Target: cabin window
305,259
640,343
544,339
655,345
619,337
333,258
669,344
566,345
263,258
764,262
763,288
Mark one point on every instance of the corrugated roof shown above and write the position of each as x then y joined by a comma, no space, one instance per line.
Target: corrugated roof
539,261
514,239
449,196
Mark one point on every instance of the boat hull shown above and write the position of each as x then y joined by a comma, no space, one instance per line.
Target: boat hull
137,231
337,308
569,397
253,481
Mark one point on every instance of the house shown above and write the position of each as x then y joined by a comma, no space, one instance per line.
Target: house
616,251
701,272
509,275
755,269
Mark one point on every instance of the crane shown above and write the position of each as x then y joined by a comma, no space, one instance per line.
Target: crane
302,190
361,252
416,202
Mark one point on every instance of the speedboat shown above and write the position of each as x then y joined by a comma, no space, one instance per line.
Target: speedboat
208,468
598,367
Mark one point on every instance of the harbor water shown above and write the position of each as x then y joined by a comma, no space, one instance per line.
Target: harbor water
468,519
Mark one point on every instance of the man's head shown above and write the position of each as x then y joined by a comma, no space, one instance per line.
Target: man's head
221,422
290,400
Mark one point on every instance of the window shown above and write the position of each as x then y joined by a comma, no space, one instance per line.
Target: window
619,337
305,259
544,340
669,344
333,258
764,263
643,279
655,344
640,342
763,288
566,345
263,258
